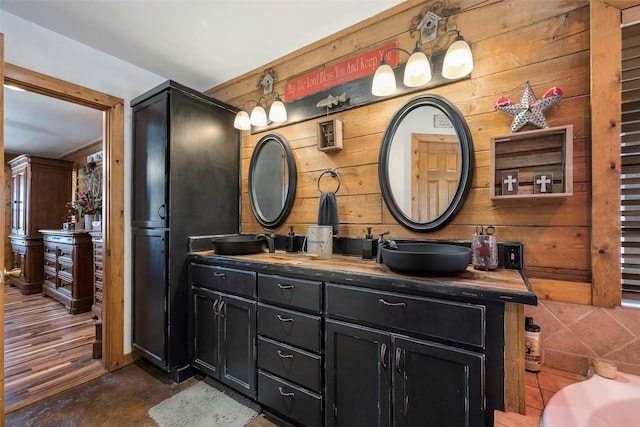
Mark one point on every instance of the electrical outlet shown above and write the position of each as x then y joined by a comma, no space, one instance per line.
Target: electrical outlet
512,256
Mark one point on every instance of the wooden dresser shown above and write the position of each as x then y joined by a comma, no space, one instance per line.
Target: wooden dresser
40,188
68,268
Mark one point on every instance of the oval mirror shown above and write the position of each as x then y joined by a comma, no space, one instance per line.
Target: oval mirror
272,180
425,163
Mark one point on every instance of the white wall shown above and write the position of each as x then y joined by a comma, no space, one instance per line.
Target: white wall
39,49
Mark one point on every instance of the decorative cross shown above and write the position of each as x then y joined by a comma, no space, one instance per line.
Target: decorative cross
510,181
543,181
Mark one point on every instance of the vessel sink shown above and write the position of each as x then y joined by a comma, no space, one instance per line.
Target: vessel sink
241,244
425,258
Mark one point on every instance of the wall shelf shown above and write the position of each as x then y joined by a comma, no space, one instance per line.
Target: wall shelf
532,164
330,135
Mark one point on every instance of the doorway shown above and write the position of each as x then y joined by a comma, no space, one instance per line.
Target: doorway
113,221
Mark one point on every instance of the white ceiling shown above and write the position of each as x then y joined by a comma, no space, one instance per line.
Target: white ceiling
197,43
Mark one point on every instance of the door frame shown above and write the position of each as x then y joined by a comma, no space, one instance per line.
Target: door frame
113,356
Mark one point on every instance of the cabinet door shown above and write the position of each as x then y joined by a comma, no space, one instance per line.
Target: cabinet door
358,378
436,385
18,194
206,346
238,342
149,162
150,294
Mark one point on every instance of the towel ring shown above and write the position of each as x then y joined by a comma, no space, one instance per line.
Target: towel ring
334,173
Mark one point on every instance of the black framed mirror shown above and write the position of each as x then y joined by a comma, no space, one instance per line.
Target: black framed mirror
272,180
426,163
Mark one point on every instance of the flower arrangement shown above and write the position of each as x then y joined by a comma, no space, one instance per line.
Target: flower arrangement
86,203
89,200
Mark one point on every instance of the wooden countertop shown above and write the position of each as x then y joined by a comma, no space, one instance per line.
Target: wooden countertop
504,285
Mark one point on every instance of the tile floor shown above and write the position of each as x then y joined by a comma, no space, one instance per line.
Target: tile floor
539,387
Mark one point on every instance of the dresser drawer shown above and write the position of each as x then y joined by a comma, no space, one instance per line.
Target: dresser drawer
290,363
50,251
290,327
65,285
454,321
223,279
65,254
58,239
300,294
300,405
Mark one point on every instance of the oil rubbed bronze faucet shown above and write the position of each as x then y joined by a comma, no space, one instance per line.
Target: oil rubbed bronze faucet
381,241
271,240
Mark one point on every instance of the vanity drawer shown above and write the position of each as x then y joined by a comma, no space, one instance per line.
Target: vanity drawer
454,321
302,406
223,279
290,327
301,294
300,367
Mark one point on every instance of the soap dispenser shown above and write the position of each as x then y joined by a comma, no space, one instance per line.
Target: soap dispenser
290,245
369,246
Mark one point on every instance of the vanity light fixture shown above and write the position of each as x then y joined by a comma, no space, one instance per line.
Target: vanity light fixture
458,62
258,117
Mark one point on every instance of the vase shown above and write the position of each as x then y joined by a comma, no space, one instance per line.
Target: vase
88,219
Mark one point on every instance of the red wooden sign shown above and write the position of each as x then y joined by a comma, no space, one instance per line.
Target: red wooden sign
342,72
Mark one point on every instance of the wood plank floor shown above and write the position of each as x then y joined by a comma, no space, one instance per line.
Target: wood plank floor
46,349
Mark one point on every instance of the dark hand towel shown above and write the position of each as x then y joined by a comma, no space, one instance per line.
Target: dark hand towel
328,211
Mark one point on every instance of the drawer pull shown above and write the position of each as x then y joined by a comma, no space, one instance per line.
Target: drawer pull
220,308
285,319
215,307
286,394
221,275
392,304
383,355
398,358
281,286
285,356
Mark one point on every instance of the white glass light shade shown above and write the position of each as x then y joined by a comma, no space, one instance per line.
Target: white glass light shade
277,112
384,81
258,116
417,71
458,62
242,121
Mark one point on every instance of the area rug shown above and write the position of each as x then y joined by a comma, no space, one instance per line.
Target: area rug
202,405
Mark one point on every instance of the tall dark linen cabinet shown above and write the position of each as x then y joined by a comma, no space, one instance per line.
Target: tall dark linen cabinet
186,182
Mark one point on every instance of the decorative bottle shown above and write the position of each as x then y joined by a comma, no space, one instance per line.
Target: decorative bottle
291,241
532,346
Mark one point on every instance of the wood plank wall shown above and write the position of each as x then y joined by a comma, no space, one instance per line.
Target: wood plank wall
545,42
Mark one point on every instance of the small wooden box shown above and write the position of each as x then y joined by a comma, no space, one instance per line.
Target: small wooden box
330,135
546,152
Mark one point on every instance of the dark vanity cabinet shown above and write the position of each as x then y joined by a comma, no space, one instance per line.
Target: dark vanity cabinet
186,182
223,332
353,345
410,360
290,347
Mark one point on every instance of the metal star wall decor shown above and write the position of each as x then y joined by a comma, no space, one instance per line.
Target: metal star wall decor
530,109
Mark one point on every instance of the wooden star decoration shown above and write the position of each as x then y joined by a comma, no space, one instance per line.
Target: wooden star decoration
530,109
